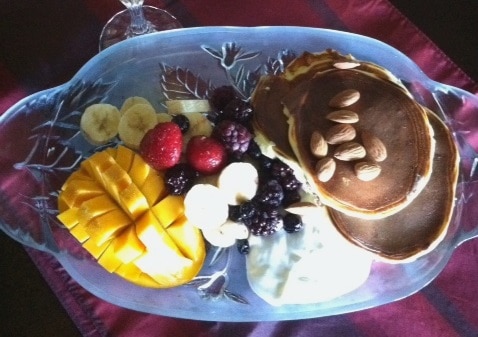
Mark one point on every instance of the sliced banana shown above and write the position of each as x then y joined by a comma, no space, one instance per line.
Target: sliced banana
226,234
238,230
163,117
205,206
238,181
181,106
199,125
217,238
135,122
133,100
99,123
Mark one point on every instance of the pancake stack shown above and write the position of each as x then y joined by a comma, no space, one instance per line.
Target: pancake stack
384,165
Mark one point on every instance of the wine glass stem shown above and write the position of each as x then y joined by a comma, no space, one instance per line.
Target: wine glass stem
139,24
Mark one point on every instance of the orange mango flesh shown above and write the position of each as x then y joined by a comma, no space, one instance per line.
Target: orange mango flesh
117,206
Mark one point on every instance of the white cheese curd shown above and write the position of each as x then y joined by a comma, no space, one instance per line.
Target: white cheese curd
314,265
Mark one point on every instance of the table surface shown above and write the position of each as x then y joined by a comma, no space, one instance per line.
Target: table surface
28,307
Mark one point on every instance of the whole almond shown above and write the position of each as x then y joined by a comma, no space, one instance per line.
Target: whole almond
375,148
325,169
343,116
350,151
318,145
346,65
340,133
344,98
366,171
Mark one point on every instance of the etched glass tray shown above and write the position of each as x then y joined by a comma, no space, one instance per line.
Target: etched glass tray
41,145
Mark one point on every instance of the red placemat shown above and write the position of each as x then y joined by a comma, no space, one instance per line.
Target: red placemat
446,307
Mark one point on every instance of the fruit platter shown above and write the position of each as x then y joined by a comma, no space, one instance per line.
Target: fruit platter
244,174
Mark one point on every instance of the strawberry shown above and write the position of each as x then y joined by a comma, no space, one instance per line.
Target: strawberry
205,154
161,146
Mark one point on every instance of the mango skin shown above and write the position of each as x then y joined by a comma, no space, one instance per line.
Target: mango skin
118,208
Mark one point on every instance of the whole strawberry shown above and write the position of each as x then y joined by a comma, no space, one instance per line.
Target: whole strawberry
161,146
205,154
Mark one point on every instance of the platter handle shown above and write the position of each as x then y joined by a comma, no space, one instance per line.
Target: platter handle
469,216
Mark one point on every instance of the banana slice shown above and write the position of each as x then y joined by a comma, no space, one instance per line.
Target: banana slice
133,100
135,122
238,181
199,125
99,123
205,206
181,106
163,117
226,234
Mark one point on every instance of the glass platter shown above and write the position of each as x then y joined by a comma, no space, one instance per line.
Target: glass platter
41,145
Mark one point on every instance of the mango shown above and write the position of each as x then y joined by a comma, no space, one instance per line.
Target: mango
105,226
153,188
124,157
139,170
128,246
169,209
118,208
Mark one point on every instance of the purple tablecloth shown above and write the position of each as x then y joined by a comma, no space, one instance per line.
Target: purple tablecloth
66,35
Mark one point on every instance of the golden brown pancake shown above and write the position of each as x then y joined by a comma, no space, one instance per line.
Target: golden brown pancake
419,228
385,111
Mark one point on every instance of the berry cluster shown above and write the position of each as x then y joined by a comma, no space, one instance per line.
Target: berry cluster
278,186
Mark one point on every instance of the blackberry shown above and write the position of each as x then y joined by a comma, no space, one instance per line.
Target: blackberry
243,246
182,121
233,135
239,111
221,97
254,151
292,223
291,197
290,183
241,212
265,162
180,178
280,169
270,194
285,175
265,221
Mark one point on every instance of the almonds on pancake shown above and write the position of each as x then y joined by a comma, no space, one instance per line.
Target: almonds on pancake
350,151
344,98
367,171
318,145
340,133
375,148
343,116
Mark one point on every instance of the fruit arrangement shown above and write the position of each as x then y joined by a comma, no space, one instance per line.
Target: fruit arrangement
145,208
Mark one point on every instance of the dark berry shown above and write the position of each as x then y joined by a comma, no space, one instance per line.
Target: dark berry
270,194
241,212
280,169
265,162
233,135
290,183
222,96
290,197
265,221
239,111
180,178
292,223
182,121
254,151
243,246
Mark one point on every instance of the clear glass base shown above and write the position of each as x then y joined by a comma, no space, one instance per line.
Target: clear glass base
118,28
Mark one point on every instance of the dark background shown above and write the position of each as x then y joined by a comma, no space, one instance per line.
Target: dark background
27,305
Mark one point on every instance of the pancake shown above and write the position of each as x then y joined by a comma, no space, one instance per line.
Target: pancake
415,231
292,106
384,111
